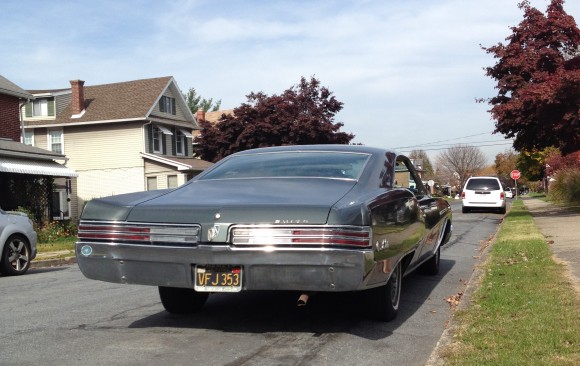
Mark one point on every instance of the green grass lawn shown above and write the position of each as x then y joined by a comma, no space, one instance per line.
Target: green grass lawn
526,311
57,245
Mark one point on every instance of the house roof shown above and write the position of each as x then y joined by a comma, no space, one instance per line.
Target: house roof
24,159
118,102
48,91
17,149
35,167
180,163
9,88
213,117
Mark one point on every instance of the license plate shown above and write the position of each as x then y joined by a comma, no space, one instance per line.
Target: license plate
217,278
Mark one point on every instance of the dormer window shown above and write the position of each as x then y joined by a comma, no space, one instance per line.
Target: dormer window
167,105
40,108
43,107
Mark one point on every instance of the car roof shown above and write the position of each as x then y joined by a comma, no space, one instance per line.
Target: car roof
484,177
326,147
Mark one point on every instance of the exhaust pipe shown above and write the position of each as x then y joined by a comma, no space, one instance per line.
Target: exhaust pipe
303,299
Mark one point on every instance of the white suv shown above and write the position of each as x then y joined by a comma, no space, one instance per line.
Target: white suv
483,193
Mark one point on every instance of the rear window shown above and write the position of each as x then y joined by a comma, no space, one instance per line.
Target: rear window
483,184
291,164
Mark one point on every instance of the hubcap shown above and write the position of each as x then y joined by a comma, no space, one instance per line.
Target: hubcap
18,255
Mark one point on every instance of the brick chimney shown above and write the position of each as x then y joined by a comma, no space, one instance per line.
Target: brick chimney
200,114
78,96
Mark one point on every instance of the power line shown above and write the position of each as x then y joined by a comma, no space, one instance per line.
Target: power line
461,147
471,143
436,142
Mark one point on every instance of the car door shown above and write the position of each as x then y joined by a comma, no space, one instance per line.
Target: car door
429,206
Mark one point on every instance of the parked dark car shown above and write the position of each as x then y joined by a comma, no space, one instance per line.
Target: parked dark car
17,243
324,218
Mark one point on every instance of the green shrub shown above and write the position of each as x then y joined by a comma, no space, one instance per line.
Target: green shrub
536,186
566,187
55,230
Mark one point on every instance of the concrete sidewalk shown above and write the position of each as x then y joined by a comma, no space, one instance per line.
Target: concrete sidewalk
560,227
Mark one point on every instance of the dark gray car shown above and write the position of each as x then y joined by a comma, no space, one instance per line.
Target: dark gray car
323,218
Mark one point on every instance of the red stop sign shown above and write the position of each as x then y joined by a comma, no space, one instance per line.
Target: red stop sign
515,174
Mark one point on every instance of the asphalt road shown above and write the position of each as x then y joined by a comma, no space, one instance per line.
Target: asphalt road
55,316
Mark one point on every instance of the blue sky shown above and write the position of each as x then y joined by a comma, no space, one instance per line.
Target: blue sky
408,72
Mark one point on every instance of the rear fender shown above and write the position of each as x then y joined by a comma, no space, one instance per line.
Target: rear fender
447,232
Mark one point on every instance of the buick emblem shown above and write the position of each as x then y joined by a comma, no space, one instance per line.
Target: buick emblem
213,232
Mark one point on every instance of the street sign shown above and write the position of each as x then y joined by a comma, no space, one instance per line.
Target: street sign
515,174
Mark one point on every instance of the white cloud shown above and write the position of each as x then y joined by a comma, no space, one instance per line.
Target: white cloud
407,71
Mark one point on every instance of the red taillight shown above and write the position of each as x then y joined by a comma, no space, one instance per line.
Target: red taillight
502,195
462,195
138,232
348,236
113,236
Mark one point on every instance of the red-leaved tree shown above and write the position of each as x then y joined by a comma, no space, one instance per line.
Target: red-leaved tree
538,81
301,115
555,161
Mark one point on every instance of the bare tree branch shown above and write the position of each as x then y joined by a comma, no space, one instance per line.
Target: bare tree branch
456,164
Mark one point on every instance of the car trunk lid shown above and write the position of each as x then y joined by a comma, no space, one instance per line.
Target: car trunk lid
246,201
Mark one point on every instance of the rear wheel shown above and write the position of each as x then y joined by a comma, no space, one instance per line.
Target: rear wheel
464,209
384,301
15,256
502,210
182,300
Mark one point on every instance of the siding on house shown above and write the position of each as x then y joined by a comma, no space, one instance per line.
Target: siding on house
98,183
110,146
106,158
179,113
162,172
41,138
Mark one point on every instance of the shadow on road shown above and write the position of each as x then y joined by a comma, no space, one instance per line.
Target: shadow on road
276,311
33,271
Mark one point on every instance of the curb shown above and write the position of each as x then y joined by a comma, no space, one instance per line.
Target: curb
47,263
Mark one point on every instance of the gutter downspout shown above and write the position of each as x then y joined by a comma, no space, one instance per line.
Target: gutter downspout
21,119
145,150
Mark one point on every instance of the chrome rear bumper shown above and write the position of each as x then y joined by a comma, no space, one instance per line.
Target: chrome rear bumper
302,269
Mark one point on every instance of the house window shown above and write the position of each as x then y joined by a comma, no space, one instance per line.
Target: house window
29,138
151,183
172,181
157,140
55,141
60,205
179,143
167,105
40,108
